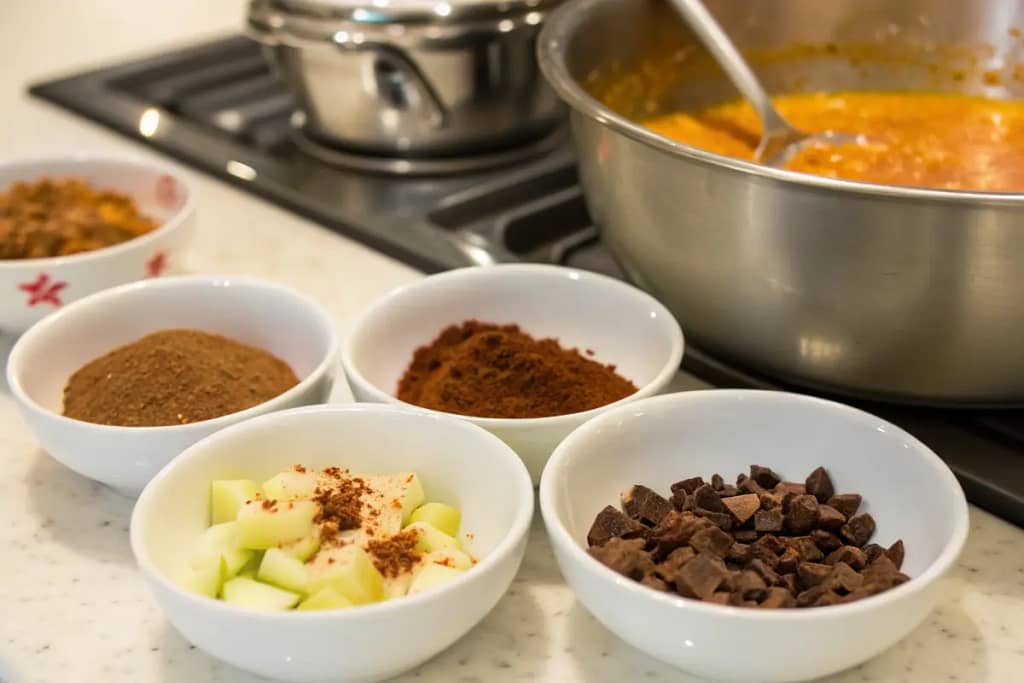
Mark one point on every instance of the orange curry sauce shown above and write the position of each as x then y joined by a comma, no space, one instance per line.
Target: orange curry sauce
930,140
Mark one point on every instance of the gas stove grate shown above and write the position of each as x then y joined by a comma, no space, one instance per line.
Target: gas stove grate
216,106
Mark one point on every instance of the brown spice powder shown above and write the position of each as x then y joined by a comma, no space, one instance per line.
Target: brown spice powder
487,370
340,500
395,555
174,377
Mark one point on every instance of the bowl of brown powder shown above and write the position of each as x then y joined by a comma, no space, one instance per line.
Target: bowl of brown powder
71,226
528,352
116,385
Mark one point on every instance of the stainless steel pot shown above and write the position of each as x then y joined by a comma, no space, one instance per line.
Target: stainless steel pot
411,78
899,293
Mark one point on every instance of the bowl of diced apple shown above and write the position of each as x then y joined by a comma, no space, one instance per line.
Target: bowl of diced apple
334,543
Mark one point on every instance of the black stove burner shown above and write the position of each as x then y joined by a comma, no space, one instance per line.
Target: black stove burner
216,106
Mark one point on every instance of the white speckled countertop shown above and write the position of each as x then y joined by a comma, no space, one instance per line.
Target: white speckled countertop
72,606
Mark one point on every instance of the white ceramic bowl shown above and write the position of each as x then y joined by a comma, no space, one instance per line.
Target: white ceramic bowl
285,323
33,288
907,489
458,463
622,324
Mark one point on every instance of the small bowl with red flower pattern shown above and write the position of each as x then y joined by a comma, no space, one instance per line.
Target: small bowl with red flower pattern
32,288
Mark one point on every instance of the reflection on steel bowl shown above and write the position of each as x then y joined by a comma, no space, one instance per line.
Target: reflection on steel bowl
893,292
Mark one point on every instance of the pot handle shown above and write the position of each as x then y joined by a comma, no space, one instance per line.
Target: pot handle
402,80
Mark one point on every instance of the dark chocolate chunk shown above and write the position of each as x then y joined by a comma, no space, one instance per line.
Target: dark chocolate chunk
858,530
802,515
610,523
895,553
788,561
645,505
738,553
750,486
792,487
770,576
850,555
745,535
768,520
667,568
750,585
701,576
689,485
719,597
825,540
806,548
728,491
742,508
626,556
829,518
770,500
790,582
764,476
846,503
770,545
681,500
705,498
778,597
844,579
713,541
872,551
655,582
720,519
810,596
812,573
828,598
674,531
819,485
717,482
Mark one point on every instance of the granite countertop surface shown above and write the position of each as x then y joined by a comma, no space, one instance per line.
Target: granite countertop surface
74,608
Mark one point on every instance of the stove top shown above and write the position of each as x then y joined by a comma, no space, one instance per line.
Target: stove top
217,106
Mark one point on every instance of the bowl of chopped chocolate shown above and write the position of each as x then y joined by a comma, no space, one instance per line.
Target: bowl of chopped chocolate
751,535
117,384
74,225
528,352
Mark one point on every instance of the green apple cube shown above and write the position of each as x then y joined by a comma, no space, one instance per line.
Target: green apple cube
219,546
284,571
290,485
252,594
262,527
204,581
253,565
326,598
227,496
449,557
431,576
430,539
350,571
302,549
404,487
442,517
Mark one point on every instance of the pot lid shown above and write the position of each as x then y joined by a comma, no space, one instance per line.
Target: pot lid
405,11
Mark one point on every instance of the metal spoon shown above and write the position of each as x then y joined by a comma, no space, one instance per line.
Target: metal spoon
780,141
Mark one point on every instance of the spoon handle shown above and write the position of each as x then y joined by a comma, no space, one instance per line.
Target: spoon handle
710,33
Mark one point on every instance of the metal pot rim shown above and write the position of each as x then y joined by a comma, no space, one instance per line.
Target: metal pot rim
564,22
370,13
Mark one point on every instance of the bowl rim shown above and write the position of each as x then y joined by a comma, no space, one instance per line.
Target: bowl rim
174,221
313,310
662,378
505,547
552,46
936,569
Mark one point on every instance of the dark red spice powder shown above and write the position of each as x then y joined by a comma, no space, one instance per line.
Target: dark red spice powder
489,370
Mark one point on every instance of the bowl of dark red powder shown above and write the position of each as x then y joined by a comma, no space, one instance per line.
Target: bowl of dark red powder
528,352
116,385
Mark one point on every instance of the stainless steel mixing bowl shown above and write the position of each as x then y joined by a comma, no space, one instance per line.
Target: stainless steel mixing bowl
901,293
411,78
